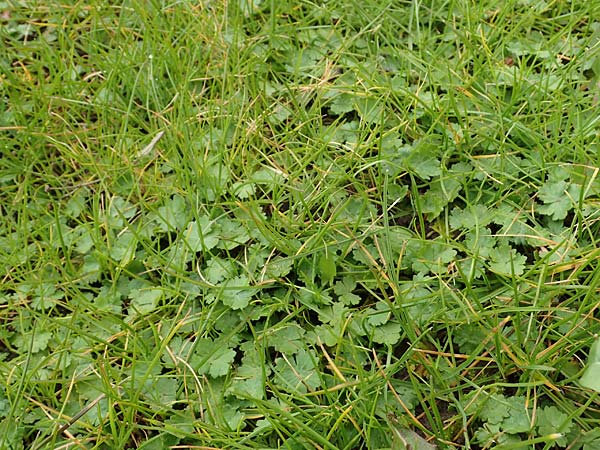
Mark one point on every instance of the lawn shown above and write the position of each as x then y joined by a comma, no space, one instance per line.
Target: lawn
277,224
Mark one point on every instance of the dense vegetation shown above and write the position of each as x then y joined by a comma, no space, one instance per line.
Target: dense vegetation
291,224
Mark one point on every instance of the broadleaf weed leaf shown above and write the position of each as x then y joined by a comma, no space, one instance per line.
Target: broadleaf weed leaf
76,204
287,339
369,109
388,333
405,439
559,198
422,158
232,415
211,357
83,239
342,103
268,178
237,292
124,247
219,269
480,242
46,296
144,301
242,190
297,373
334,314
380,315
326,334
344,289
91,268
551,420
199,235
173,215
430,256
327,268
278,267
471,218
251,375
37,341
231,234
507,261
591,376
221,363
441,192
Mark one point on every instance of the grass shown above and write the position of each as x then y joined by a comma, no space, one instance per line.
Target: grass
276,224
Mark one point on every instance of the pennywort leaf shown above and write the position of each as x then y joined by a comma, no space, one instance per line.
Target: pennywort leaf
505,260
298,373
144,301
591,376
237,292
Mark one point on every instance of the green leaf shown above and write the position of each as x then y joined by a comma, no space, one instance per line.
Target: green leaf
230,411
123,250
507,414
40,341
468,337
551,420
591,376
388,334
518,419
431,256
592,445
473,217
421,157
210,357
507,261
342,103
219,269
108,299
221,363
480,242
327,268
268,178
144,301
91,268
76,203
287,339
46,296
298,373
250,378
316,297
405,439
243,190
237,292
441,192
161,390
83,240
173,215
344,290
278,267
425,166
327,335
348,132
199,235
369,108
232,234
380,315
160,442
559,195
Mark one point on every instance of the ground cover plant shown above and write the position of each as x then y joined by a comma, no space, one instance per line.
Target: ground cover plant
290,224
